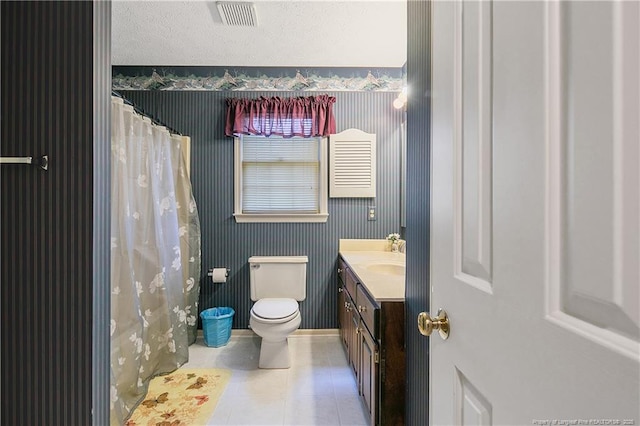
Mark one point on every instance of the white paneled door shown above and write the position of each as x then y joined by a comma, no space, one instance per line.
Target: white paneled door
535,233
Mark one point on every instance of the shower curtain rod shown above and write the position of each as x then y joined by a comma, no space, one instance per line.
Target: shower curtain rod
145,114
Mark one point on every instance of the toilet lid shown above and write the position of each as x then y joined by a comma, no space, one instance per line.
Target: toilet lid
275,308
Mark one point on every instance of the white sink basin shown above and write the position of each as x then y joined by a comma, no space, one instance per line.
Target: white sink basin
386,268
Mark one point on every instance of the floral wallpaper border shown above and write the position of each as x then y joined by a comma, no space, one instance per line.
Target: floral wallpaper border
256,78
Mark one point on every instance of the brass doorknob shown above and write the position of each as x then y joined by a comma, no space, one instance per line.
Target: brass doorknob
426,324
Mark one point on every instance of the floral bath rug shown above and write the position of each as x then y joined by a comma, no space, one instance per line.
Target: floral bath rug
184,397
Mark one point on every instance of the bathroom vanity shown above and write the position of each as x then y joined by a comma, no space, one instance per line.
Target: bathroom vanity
371,322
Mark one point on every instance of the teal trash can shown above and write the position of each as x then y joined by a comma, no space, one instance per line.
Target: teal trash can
216,325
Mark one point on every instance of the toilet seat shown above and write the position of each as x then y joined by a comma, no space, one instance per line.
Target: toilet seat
275,310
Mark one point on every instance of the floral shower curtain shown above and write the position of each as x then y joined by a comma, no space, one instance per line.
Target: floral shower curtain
155,257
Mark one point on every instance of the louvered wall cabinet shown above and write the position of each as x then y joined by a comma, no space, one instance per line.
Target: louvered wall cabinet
352,164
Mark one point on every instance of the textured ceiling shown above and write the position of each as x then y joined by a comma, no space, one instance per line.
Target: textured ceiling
356,33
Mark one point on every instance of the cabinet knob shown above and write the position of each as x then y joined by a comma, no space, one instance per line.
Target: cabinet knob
347,306
362,308
340,290
339,270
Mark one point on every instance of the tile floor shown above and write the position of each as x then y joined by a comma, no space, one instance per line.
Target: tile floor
318,389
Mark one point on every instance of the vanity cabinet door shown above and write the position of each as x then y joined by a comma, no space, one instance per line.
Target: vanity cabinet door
368,310
343,316
342,270
349,325
354,340
368,380
351,282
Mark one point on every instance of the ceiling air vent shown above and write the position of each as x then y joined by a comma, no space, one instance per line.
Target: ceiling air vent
238,13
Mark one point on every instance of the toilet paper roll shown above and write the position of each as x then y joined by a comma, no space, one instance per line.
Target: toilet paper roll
218,275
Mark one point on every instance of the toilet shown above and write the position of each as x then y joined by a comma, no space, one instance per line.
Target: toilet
278,283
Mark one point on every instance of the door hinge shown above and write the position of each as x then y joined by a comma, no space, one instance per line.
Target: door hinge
376,357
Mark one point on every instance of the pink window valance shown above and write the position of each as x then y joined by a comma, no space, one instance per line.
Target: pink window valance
301,116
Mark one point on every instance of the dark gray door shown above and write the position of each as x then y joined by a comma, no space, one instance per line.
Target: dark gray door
48,217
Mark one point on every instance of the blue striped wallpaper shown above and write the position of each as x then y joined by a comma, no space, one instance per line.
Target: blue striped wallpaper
418,207
101,342
200,115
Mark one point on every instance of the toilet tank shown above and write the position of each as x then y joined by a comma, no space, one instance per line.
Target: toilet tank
278,276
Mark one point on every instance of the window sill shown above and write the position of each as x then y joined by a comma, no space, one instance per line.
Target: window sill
281,218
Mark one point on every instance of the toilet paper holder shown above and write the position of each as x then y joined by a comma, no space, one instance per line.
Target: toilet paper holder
210,273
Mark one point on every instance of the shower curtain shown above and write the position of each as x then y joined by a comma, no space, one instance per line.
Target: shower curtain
155,257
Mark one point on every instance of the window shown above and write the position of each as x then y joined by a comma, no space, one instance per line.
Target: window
280,179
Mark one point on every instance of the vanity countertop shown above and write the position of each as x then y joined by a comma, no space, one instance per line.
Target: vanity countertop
363,259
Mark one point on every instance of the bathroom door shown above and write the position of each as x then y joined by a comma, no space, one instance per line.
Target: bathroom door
536,212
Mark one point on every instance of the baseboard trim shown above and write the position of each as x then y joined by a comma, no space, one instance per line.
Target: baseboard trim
301,332
316,332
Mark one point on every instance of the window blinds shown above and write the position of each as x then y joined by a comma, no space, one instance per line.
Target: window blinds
280,175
